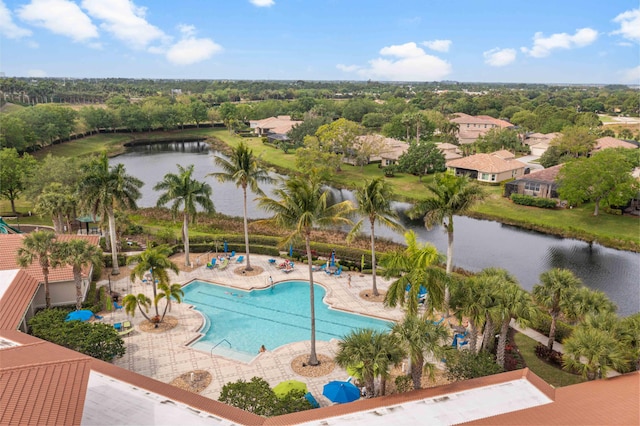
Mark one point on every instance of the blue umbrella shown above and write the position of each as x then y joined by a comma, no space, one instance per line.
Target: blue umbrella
333,258
226,247
341,392
83,315
290,250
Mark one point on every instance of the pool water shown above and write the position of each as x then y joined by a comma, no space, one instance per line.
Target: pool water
239,322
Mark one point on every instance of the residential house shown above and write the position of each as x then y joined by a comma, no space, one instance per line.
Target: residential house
540,183
609,142
392,151
472,127
449,150
273,125
492,168
539,142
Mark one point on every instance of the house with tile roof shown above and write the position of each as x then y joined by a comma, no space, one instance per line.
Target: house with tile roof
492,168
449,150
539,183
609,142
472,127
539,142
279,125
393,149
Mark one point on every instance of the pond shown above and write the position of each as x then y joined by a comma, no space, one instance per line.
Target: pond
478,243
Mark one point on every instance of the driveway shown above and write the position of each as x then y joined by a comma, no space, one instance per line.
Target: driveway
527,160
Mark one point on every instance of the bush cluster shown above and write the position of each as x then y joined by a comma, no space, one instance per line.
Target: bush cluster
463,365
542,323
528,200
553,357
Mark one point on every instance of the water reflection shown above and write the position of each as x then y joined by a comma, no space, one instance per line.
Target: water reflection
478,243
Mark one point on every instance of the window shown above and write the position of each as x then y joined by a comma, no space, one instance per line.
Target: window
493,178
485,176
532,186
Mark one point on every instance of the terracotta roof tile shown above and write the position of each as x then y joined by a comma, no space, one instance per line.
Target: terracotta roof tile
609,142
487,163
546,175
16,299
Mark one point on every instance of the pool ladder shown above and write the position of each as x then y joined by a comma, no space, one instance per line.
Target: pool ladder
218,344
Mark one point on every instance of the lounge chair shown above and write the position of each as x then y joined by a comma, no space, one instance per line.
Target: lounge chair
98,317
240,259
272,261
118,326
126,324
212,264
338,272
233,254
224,264
311,400
116,306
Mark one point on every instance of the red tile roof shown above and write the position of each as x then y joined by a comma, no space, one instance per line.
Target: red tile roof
487,163
546,175
609,142
16,299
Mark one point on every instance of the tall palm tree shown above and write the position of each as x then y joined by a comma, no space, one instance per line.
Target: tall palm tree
555,294
593,352
140,301
587,301
184,191
374,203
471,299
374,352
105,189
78,253
40,246
420,337
413,268
300,206
154,260
168,292
245,171
511,302
452,195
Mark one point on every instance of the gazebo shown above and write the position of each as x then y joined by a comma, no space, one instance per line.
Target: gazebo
87,220
5,228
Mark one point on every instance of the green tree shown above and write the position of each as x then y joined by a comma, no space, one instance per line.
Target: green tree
300,205
78,253
374,204
39,246
168,292
605,176
373,352
630,337
140,301
471,298
339,136
243,169
413,268
555,294
58,202
593,352
154,260
421,337
183,191
14,172
257,397
575,141
451,195
465,365
308,127
314,159
104,189
421,159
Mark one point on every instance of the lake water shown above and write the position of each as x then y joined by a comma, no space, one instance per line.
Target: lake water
478,243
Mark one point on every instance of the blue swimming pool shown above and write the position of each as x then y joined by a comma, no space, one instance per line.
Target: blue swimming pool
239,322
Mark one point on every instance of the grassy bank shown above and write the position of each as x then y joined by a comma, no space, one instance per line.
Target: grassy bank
612,231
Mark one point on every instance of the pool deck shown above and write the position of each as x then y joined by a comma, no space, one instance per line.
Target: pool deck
165,356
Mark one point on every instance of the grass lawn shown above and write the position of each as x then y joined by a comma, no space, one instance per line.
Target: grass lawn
550,374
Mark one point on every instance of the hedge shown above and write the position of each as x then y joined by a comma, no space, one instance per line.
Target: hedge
528,200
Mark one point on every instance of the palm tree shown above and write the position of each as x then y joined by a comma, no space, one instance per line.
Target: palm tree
243,169
373,352
471,299
593,352
40,246
140,301
630,336
452,195
184,191
374,203
414,267
420,337
511,302
555,294
105,189
587,301
174,291
154,260
78,253
300,206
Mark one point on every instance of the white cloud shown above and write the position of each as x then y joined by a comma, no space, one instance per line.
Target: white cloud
60,17
411,63
36,73
191,50
7,27
125,21
262,3
629,24
542,46
438,45
631,76
499,57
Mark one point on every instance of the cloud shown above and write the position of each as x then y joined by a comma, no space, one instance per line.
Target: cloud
629,25
7,27
542,46
36,73
125,21
410,63
438,45
60,17
499,57
631,76
262,3
190,49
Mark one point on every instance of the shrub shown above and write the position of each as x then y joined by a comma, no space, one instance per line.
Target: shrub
542,323
404,383
553,357
122,260
257,397
463,365
528,200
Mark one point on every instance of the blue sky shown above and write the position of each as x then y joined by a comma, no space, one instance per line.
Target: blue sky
542,41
